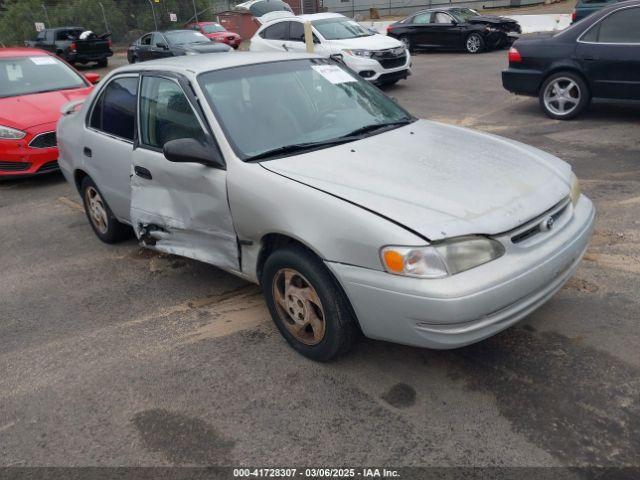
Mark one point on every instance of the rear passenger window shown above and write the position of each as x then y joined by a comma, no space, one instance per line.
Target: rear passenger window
422,18
115,111
622,26
279,31
166,114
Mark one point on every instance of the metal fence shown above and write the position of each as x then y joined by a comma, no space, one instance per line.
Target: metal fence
129,19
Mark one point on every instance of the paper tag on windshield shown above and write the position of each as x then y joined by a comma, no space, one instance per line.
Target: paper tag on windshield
333,74
43,60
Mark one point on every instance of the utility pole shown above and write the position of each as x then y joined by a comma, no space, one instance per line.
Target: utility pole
153,12
46,15
104,17
195,10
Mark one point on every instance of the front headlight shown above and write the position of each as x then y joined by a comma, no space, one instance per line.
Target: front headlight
359,53
7,133
440,259
575,189
189,52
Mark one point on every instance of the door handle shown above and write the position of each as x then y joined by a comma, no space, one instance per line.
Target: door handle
87,152
142,172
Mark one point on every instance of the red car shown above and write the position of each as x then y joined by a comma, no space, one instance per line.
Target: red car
217,33
34,85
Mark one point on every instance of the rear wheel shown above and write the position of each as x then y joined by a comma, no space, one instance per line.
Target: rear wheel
564,95
406,42
103,63
474,43
307,306
104,223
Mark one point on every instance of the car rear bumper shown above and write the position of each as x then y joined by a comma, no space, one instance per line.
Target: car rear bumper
521,81
88,57
473,305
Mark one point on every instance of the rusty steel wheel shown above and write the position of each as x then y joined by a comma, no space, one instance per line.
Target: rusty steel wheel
105,225
299,306
96,210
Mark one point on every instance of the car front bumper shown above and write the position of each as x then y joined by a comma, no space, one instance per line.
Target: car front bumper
372,70
468,307
19,159
521,81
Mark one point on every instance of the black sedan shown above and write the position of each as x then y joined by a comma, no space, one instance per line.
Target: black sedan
172,43
453,28
598,56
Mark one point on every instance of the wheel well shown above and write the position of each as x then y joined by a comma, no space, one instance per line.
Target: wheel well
569,69
79,176
272,242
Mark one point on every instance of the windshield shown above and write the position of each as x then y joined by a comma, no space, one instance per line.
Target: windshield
181,37
267,106
463,14
340,28
38,74
212,28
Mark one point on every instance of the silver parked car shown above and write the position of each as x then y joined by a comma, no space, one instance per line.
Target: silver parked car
293,173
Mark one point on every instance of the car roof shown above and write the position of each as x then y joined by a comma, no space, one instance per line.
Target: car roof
21,52
196,64
316,16
175,30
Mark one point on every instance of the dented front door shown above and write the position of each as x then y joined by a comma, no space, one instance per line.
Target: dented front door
178,208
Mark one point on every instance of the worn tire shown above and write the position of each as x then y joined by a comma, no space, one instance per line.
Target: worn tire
340,327
103,63
115,230
585,95
479,41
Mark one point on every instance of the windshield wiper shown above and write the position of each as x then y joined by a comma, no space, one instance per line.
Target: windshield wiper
378,126
300,147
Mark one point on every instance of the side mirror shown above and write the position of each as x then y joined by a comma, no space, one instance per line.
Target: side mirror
92,77
190,150
337,57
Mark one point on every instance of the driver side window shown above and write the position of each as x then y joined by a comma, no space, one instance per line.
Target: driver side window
166,114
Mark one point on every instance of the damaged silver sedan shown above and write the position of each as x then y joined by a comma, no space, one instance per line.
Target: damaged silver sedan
352,215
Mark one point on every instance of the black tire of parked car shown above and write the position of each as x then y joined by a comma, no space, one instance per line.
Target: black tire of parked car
340,327
474,43
407,42
585,96
115,230
103,63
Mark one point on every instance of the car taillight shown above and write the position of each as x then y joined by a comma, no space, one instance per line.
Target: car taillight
388,28
514,55
73,46
574,15
109,43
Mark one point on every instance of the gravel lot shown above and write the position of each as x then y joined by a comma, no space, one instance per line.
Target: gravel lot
113,355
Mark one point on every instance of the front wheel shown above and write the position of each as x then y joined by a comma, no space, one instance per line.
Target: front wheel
563,96
475,43
105,225
307,306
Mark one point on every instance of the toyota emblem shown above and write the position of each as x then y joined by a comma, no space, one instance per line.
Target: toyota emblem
547,224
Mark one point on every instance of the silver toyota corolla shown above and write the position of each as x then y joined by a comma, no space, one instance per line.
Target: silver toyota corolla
293,173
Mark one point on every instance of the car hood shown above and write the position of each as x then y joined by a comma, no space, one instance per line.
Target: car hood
372,42
491,19
437,180
28,111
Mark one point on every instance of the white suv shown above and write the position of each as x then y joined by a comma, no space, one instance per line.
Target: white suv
377,58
